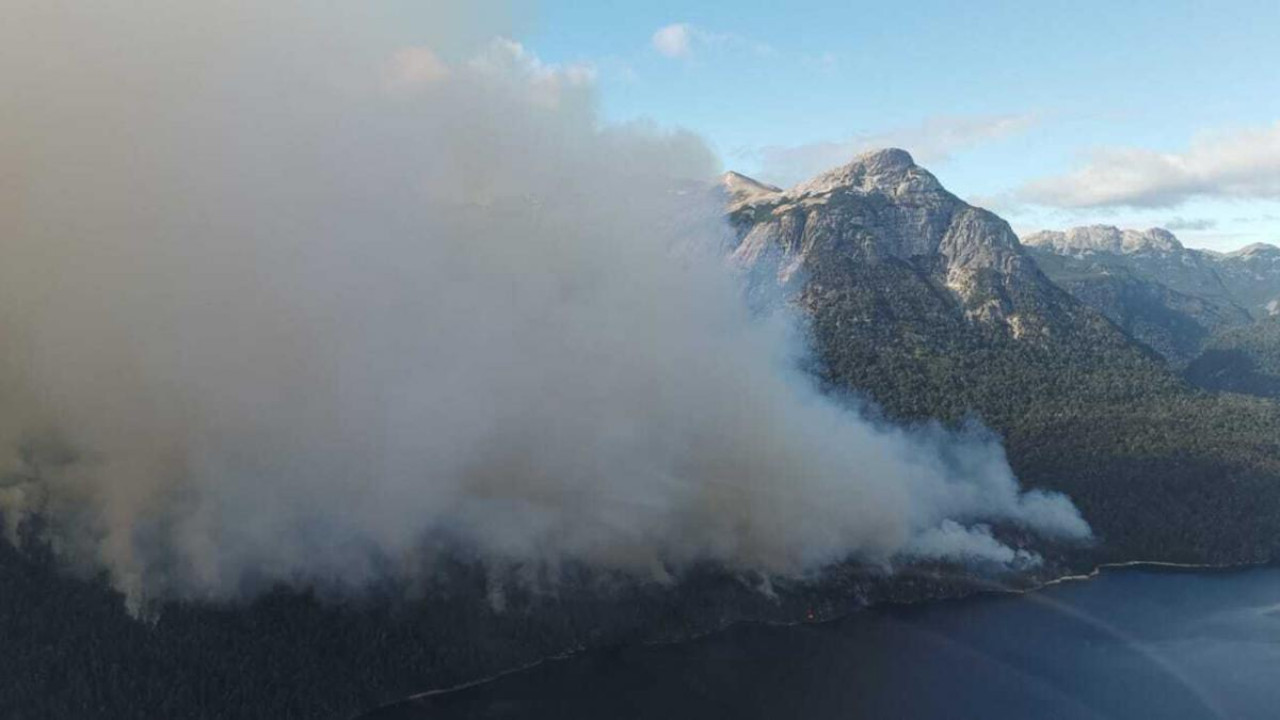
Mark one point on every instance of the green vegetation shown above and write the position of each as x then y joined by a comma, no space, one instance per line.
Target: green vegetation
1162,471
1241,360
1174,323
71,651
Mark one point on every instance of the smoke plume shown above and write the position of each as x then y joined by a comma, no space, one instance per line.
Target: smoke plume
288,294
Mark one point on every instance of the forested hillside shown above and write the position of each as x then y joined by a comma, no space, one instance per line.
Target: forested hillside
1241,360
958,322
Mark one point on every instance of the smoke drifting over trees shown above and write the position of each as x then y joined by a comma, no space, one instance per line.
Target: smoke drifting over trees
288,297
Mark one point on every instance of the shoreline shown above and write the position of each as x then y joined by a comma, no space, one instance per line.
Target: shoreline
995,591
1144,564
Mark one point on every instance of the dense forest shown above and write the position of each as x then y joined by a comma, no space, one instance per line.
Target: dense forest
72,651
1242,360
1161,469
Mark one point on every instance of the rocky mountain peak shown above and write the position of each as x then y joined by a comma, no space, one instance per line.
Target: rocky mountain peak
880,213
1256,250
885,160
890,170
1091,239
1150,240
740,187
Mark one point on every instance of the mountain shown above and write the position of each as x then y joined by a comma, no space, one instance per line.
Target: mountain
898,275
883,210
1253,274
1167,296
931,308
1170,297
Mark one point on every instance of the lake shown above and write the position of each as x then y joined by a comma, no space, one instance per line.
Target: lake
1130,643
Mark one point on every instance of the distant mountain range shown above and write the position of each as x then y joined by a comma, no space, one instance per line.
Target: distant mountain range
1172,298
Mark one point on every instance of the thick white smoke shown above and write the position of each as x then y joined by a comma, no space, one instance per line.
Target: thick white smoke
285,296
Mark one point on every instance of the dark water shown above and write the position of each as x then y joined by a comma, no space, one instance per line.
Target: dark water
1128,644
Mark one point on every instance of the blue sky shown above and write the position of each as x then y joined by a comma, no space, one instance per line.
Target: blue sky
1051,113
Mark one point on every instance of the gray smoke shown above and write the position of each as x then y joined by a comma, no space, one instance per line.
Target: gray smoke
288,295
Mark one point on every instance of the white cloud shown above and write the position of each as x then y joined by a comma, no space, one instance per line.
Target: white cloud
1196,224
1244,164
683,41
674,41
933,140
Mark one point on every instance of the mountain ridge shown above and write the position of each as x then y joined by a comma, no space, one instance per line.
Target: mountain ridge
1168,296
1224,273
1104,238
883,205
935,311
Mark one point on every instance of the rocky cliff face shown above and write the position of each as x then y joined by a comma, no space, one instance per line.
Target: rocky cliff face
885,211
